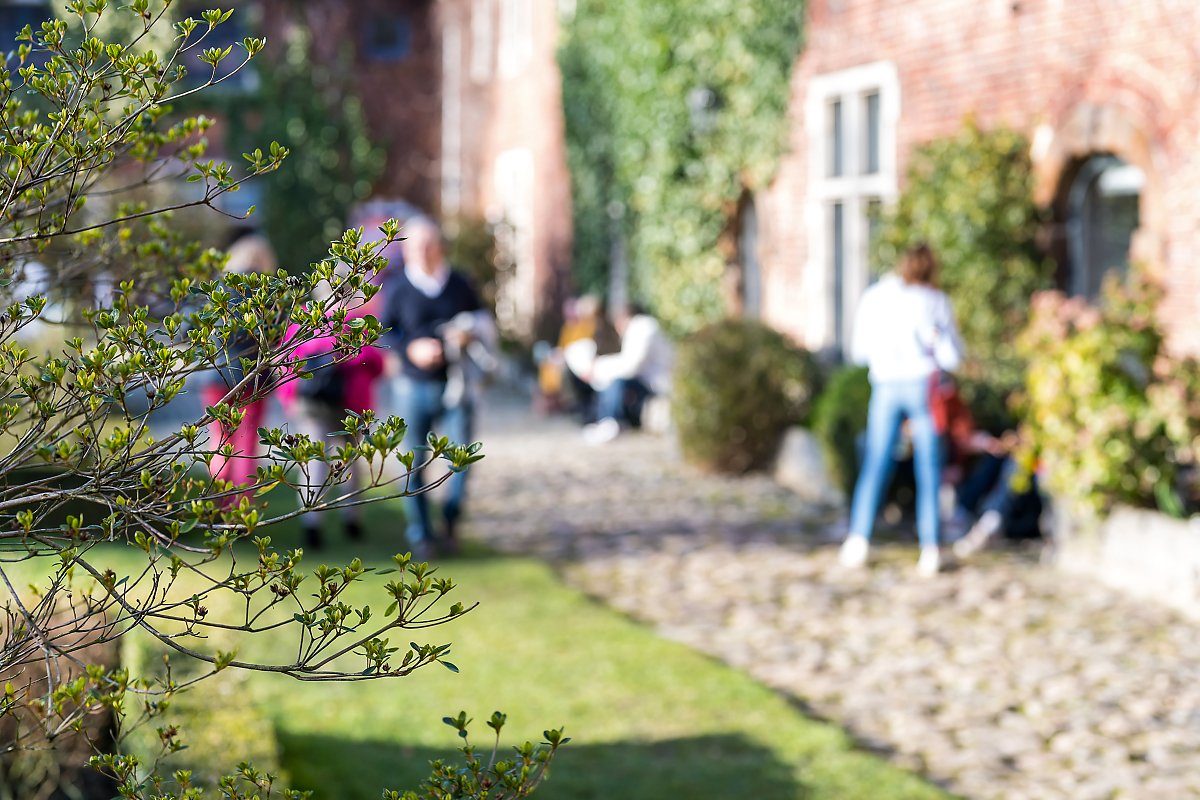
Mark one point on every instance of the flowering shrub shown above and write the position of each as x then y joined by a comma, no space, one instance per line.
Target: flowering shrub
1111,417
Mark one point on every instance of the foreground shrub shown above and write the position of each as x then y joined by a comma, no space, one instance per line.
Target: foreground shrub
81,474
839,418
1110,416
738,386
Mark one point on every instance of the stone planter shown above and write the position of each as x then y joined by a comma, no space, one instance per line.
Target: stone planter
1143,553
800,466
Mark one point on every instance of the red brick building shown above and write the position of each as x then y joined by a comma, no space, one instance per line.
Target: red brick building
465,96
1107,93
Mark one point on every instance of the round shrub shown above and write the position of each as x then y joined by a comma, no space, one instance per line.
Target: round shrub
738,386
839,418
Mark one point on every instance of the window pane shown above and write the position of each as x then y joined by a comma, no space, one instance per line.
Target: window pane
874,226
835,139
387,37
838,252
871,161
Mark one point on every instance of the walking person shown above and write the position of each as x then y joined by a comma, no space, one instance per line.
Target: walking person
443,341
906,335
317,405
248,253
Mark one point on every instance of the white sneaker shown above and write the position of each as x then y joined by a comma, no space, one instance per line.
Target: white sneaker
930,562
979,535
853,554
601,432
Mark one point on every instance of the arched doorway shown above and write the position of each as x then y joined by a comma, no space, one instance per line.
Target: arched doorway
1102,213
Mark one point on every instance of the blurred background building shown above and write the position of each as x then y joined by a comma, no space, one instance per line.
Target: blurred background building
466,99
1105,91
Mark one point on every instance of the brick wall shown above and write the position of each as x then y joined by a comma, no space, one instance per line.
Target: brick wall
517,108
401,97
1078,76
491,108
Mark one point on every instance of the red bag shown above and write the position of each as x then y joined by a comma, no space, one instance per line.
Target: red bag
943,395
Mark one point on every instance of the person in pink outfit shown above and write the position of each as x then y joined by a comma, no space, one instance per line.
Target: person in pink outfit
250,253
316,406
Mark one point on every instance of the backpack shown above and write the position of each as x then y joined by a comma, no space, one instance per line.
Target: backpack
326,384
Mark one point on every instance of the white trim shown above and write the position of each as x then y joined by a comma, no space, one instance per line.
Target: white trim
853,189
516,37
513,180
452,104
483,38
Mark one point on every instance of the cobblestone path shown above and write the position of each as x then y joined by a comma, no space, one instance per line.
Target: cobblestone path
1001,679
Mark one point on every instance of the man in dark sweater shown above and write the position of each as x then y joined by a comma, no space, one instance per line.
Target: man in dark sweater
435,315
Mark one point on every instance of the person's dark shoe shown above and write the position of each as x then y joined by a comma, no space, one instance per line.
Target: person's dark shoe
422,550
354,531
312,537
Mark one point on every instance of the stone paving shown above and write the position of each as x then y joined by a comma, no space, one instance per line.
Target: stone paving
999,679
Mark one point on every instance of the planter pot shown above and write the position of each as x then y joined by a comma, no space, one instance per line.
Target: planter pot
1143,553
800,466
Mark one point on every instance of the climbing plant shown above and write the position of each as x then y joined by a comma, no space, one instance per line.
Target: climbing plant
673,110
970,196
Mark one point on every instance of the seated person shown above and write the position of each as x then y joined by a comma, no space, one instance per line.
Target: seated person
624,380
558,386
1002,499
985,476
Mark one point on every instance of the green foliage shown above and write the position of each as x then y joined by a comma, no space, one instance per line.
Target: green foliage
1111,417
309,106
85,127
672,111
738,386
839,417
971,198
529,647
471,248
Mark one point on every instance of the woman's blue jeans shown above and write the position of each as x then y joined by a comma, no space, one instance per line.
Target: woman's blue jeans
891,403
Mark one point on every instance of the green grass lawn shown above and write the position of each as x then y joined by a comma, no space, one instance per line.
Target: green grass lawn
648,718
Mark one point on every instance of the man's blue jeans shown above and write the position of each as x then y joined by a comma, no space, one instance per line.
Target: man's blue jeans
622,400
891,403
420,403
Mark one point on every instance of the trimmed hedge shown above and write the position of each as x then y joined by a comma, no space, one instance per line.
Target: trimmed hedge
839,417
738,386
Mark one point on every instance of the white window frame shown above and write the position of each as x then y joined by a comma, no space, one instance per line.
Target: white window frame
514,185
853,189
516,37
452,113
483,39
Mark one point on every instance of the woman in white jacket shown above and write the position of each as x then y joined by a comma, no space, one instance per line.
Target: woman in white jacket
905,333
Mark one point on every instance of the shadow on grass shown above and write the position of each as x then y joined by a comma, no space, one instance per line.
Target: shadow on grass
701,768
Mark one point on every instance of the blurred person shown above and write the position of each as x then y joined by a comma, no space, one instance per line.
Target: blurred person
623,381
248,253
443,341
906,335
581,323
1001,495
317,405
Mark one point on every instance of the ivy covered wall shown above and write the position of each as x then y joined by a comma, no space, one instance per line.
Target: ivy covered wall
673,110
